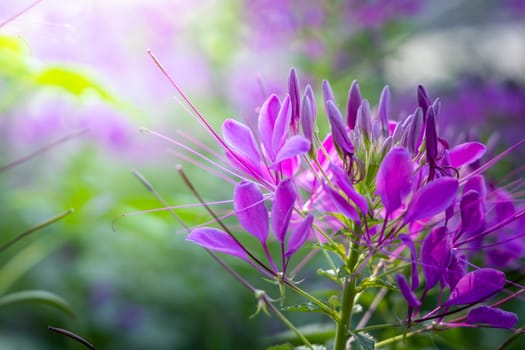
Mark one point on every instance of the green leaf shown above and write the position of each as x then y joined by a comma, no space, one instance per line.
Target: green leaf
72,81
306,307
375,283
330,273
39,296
362,341
281,347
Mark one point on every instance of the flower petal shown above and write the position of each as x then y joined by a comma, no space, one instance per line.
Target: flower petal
295,99
307,116
384,110
341,179
282,208
294,146
436,254
476,286
466,153
409,295
214,239
352,104
472,213
299,236
240,138
266,123
432,199
394,178
342,205
282,124
249,207
492,316
339,134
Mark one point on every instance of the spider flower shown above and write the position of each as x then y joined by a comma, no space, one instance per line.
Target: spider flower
374,187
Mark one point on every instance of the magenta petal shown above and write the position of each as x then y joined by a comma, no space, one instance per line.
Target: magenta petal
339,134
472,213
413,256
341,179
436,254
214,239
455,271
352,104
282,124
409,295
466,153
342,205
295,98
307,117
384,110
249,207
294,146
240,138
476,183
282,208
266,123
432,199
394,178
299,236
492,316
476,286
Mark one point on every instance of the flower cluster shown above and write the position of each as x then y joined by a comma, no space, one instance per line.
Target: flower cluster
379,197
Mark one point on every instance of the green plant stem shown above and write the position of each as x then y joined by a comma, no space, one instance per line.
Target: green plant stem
401,337
287,322
347,303
326,309
36,228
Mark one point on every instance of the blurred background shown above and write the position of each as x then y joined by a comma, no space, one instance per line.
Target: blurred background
76,75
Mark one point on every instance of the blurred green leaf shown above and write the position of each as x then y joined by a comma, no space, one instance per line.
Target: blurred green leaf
362,341
72,81
39,296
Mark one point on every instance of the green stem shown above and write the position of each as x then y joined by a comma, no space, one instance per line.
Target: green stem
401,337
326,309
287,323
347,303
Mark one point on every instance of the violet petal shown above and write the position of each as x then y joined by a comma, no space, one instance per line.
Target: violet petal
432,199
422,99
342,205
472,213
413,256
249,207
409,295
492,316
240,138
476,286
307,118
282,124
364,119
466,153
455,271
339,134
384,110
341,179
282,208
299,235
217,240
431,140
352,104
294,146
394,178
266,123
436,254
295,99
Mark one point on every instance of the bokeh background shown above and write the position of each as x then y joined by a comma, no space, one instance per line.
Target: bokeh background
76,74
